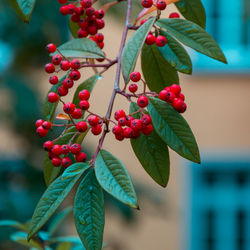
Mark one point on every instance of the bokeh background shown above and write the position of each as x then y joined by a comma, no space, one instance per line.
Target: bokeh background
204,207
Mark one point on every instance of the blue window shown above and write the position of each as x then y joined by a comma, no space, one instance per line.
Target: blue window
228,21
218,214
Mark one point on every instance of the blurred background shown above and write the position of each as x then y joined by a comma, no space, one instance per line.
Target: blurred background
204,207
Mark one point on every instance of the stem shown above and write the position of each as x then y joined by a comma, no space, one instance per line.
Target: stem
117,82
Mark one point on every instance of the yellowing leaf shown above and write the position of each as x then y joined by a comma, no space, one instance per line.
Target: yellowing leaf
62,117
106,6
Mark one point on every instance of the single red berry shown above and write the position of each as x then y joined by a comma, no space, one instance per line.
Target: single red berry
92,30
96,130
133,87
160,41
84,94
176,89
39,123
142,101
100,24
49,68
168,89
161,5
143,21
75,75
91,19
178,104
147,129
69,107
47,125
62,1
119,113
93,120
80,10
53,80
53,97
77,114
117,130
163,95
99,14
81,157
83,24
136,124
146,119
65,149
82,33
75,64
81,126
99,37
101,45
56,161
64,10
84,105
75,148
90,11
51,48
181,96
56,59
129,118
100,59
174,15
150,39
170,97
65,65
122,121
71,8
147,3
68,83
135,76
128,132
56,150
119,137
66,162
86,3
184,107
75,18
47,146
63,91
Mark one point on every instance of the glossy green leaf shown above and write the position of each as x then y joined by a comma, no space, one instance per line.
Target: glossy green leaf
50,201
192,10
23,8
21,238
12,223
75,169
115,179
173,129
152,153
175,54
73,27
89,212
193,36
133,48
157,72
80,48
72,239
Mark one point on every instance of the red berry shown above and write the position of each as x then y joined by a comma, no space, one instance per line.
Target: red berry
170,97
53,97
86,3
119,113
100,24
63,91
83,24
53,80
161,5
143,21
176,89
69,107
47,146
56,161
135,76
81,157
181,96
178,104
47,125
75,148
90,11
93,120
77,114
99,37
99,14
82,33
51,48
75,18
66,162
136,124
71,8
122,121
129,118
84,105
119,137
62,1
147,129
184,107
117,130
84,94
101,45
147,3
49,68
160,41
56,150
174,15
150,39
56,59
80,10
92,30
75,75
65,149
75,64
168,89
128,132
39,123
163,95
132,87
96,130
146,119
142,101
65,65
68,83
64,10
81,127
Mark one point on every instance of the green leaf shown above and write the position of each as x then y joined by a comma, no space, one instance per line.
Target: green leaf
80,48
23,8
133,47
73,27
158,73
54,225
173,129
75,169
115,179
193,10
64,246
175,54
12,223
193,36
152,153
21,238
50,201
89,212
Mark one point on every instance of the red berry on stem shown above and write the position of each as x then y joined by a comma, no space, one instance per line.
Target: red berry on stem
68,83
49,68
81,157
66,162
51,48
75,64
42,132
77,114
75,148
147,3
161,5
135,76
56,150
93,120
176,89
53,97
56,59
86,3
65,149
47,146
63,91
136,124
142,101
39,123
117,130
84,105
128,132
53,80
69,107
133,87
96,130
75,75
81,126
122,121
150,39
160,41
47,125
119,137
84,94
99,14
174,15
146,119
100,24
119,113
56,161
65,65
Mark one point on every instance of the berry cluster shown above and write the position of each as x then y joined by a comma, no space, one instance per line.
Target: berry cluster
160,5
173,96
42,127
